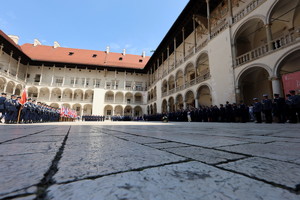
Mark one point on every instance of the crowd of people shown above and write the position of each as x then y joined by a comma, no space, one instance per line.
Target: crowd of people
278,109
93,118
13,111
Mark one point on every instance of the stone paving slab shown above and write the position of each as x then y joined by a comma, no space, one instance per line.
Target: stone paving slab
23,171
166,145
192,181
38,139
82,159
208,156
28,148
284,151
32,197
269,170
141,140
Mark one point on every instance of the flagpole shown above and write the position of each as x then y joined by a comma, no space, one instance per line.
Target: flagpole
19,114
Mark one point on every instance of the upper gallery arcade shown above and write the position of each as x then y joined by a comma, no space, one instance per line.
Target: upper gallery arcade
216,51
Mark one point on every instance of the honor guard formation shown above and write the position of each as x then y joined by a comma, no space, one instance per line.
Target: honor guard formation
18,110
278,110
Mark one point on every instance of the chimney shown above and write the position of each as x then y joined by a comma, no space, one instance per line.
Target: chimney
56,44
107,49
124,52
144,54
36,42
14,38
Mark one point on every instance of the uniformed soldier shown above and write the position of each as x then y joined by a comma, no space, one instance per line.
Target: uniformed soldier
2,106
267,108
295,106
257,108
11,110
27,108
279,107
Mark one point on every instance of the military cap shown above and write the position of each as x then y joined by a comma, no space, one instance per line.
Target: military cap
292,91
276,95
29,99
265,95
254,99
12,95
3,93
34,100
19,97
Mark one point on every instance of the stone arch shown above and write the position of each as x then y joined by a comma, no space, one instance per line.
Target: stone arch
164,87
128,111
171,82
129,98
78,108
138,98
66,105
56,94
138,111
108,110
190,99
204,95
202,64
44,93
171,104
151,109
87,109
179,78
109,96
10,87
89,95
78,95
67,94
54,105
179,102
253,83
164,106
287,68
250,35
189,72
18,90
118,111
119,97
2,84
155,109
32,92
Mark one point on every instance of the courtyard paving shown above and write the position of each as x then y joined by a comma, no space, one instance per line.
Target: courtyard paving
150,161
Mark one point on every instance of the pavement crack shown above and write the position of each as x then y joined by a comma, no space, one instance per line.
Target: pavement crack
48,180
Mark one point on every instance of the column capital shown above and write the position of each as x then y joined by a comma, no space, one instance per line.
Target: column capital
273,78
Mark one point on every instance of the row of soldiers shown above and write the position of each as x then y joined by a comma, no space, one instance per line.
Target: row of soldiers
279,109
30,112
93,118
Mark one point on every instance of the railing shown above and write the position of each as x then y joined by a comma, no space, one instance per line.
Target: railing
278,43
164,94
248,8
12,77
219,28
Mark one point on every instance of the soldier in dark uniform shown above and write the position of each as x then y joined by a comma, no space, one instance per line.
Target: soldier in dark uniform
26,111
257,108
279,107
222,113
244,112
267,108
2,106
11,106
295,106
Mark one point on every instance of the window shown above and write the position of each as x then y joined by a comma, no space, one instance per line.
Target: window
108,112
108,84
140,60
97,83
74,80
71,53
128,84
139,86
94,55
120,58
37,78
59,80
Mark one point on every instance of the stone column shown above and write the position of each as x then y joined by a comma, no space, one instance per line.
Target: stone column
184,105
208,19
196,103
1,50
276,86
50,95
183,41
64,78
238,95
195,33
175,56
52,79
230,11
18,67
269,36
42,70
26,72
9,62
14,89
168,57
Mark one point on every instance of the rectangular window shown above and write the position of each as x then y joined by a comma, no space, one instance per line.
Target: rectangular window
128,84
59,80
108,85
37,78
139,86
97,83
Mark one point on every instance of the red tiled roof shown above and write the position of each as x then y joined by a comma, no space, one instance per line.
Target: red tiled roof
83,56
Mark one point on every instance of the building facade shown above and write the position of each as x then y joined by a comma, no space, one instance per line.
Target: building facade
216,51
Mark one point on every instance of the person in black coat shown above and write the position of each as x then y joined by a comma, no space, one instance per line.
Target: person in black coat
267,108
2,106
279,107
257,108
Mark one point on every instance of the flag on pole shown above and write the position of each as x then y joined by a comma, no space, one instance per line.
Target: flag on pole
23,97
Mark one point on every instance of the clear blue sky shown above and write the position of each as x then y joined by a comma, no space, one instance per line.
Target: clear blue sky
137,25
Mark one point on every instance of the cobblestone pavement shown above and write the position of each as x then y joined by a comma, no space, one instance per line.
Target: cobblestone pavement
151,161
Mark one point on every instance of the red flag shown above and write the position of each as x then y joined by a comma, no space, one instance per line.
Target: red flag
23,97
